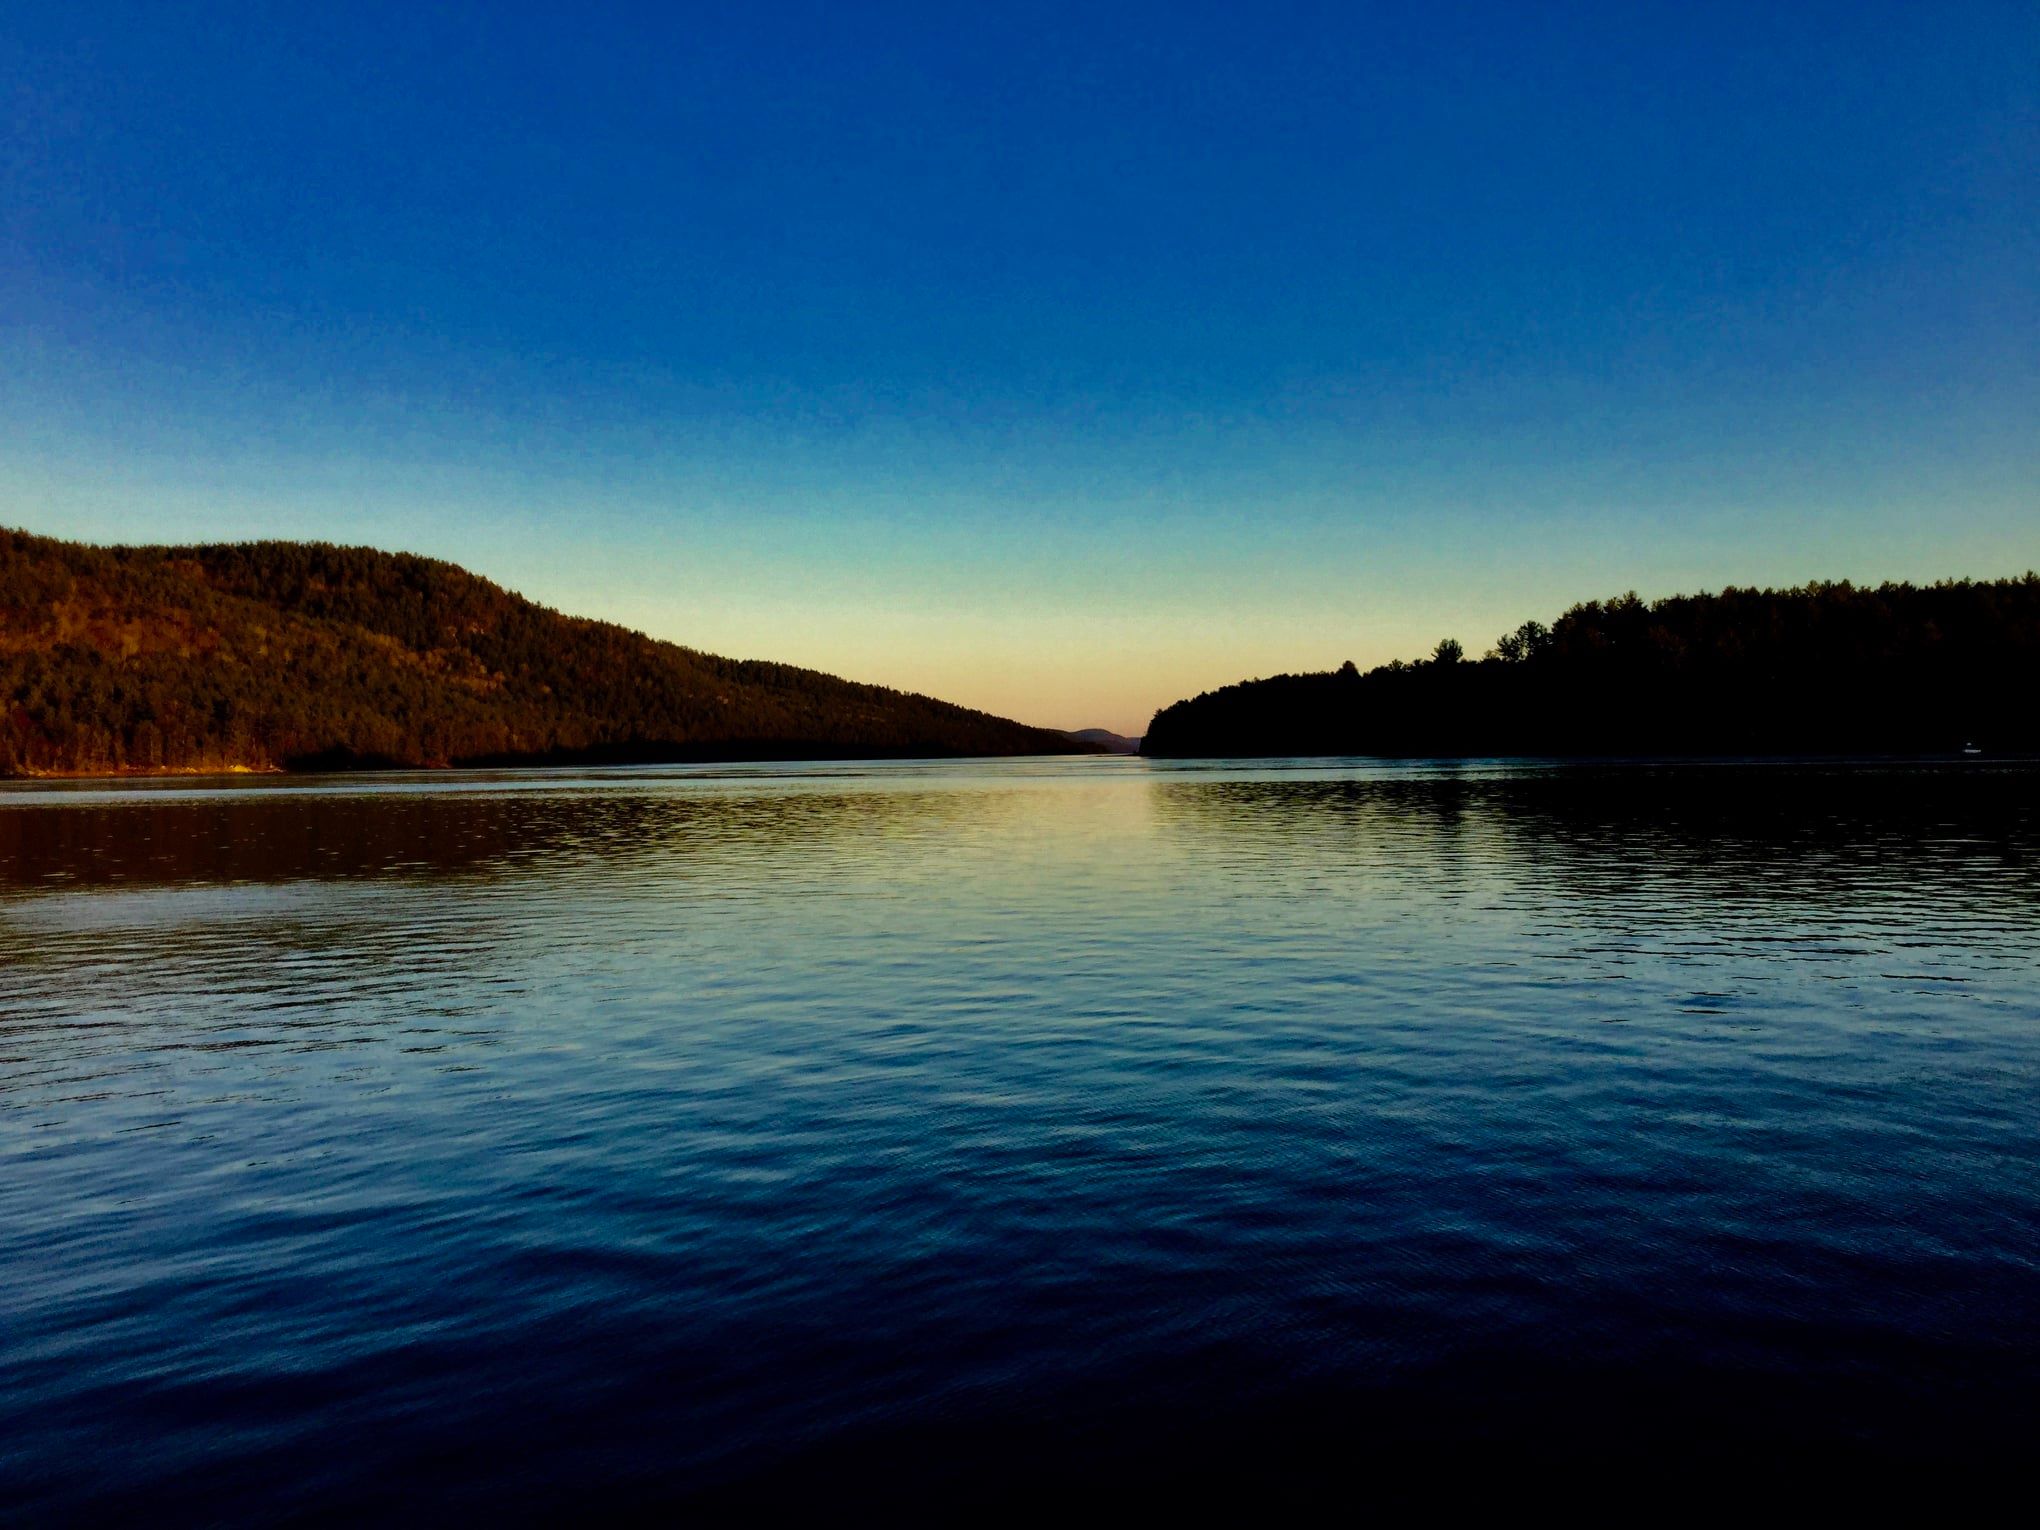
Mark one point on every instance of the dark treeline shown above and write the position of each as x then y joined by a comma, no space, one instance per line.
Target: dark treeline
1829,668
281,654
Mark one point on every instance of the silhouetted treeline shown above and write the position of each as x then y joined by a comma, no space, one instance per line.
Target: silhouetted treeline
283,654
1828,668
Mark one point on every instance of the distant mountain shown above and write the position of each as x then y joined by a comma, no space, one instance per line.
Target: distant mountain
1105,739
279,655
1827,668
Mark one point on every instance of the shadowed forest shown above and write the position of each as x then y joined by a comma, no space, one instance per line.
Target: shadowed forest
282,655
1827,668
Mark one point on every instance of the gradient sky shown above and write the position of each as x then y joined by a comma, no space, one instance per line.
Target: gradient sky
1061,360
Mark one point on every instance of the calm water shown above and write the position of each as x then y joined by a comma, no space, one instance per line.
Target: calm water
545,1143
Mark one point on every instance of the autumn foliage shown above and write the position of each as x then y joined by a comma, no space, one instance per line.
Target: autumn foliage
276,655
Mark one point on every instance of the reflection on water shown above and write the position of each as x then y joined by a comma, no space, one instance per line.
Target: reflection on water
523,1141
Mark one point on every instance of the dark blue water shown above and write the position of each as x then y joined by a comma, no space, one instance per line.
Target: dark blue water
562,1145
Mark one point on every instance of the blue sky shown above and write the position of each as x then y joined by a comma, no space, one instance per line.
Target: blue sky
1059,360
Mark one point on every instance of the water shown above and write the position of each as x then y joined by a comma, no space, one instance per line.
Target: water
565,1144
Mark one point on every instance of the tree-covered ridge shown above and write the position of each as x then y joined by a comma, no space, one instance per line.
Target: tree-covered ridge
270,655
1819,669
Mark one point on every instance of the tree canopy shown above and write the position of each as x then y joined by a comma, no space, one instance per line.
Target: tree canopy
1824,668
271,655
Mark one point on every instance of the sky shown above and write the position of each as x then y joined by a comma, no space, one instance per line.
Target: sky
1058,360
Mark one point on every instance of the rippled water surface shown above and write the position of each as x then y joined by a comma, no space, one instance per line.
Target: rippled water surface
546,1143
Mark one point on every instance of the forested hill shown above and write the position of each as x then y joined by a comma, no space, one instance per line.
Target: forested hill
280,654
1828,668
